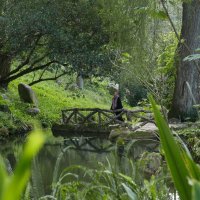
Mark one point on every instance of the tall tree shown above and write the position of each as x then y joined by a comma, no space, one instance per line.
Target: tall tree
63,36
187,92
5,60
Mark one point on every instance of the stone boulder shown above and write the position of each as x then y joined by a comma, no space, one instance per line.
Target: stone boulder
149,128
72,87
80,82
33,111
147,131
121,132
26,94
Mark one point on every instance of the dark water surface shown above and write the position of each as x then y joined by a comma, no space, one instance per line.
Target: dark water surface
59,153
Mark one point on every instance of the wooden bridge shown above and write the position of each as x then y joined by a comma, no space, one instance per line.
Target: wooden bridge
96,120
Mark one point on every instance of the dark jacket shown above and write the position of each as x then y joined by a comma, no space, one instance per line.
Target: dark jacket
118,104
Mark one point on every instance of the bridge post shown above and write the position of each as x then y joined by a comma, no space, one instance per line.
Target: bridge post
75,116
63,117
99,118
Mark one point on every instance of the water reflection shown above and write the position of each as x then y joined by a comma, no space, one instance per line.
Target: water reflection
90,144
59,153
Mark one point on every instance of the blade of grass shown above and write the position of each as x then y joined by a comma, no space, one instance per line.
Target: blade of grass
17,182
129,191
3,176
173,155
195,190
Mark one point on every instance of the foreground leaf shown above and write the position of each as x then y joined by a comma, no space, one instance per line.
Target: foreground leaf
16,183
173,155
195,190
130,193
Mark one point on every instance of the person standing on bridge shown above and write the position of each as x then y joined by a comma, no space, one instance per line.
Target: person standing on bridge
117,104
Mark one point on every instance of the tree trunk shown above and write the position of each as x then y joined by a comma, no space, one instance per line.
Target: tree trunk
187,91
5,65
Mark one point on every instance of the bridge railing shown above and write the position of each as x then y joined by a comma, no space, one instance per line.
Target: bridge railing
102,117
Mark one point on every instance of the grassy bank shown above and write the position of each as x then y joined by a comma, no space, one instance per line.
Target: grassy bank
52,98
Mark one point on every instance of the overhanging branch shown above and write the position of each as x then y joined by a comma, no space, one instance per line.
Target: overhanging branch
27,71
27,58
47,79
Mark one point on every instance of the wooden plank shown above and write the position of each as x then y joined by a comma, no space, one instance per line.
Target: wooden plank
68,119
106,110
101,112
99,119
88,116
81,115
108,116
75,116
63,117
114,119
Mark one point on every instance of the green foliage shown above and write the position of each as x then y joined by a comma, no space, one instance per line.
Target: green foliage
52,99
166,70
185,172
79,182
12,186
191,137
132,91
48,35
145,45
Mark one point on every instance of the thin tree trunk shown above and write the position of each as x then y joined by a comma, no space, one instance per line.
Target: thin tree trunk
187,91
5,66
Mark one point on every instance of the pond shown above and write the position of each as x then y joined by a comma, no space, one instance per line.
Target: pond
139,159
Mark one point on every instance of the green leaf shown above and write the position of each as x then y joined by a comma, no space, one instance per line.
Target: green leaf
2,177
130,193
17,182
192,57
159,14
127,55
173,155
192,167
129,180
195,190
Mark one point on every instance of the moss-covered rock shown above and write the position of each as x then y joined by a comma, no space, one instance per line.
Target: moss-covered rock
26,94
121,132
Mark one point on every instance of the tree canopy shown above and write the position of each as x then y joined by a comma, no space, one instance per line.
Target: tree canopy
37,35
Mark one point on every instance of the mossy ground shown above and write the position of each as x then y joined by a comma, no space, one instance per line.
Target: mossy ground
53,97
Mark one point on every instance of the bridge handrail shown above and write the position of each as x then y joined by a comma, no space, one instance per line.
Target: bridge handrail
106,110
74,114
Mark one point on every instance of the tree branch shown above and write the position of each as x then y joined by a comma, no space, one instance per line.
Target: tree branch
47,79
39,60
28,57
27,71
170,20
43,71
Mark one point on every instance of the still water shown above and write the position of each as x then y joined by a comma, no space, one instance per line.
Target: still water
61,152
